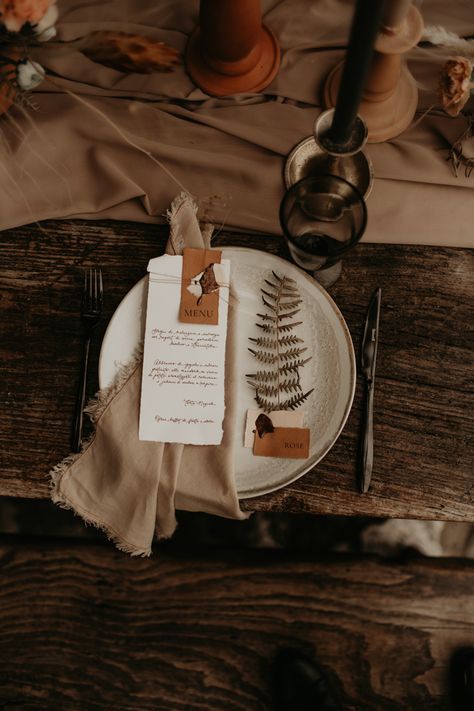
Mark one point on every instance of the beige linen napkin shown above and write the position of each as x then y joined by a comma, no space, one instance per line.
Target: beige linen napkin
130,488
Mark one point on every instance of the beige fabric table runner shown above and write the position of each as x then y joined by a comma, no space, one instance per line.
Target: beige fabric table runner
107,145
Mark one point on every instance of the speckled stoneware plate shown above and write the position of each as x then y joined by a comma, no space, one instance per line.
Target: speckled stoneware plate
331,371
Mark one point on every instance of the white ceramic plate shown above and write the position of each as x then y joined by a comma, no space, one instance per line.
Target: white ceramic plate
331,371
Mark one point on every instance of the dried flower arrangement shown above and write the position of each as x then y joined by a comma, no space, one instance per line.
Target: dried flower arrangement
455,86
23,24
454,91
27,24
279,348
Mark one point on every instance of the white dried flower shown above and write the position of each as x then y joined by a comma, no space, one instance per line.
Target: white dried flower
47,34
29,74
45,27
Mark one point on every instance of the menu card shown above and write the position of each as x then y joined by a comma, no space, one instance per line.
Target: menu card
182,396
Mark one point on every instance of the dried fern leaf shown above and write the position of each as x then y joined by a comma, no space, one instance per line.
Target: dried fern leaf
265,342
293,402
293,367
289,341
291,353
292,385
128,52
282,353
268,390
280,295
270,296
264,356
285,305
263,376
273,307
279,328
268,317
272,343
290,314
284,279
265,404
270,283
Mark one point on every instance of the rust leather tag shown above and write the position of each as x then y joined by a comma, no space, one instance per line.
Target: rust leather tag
283,442
201,304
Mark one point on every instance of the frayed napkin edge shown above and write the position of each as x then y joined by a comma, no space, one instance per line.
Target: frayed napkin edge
120,543
95,409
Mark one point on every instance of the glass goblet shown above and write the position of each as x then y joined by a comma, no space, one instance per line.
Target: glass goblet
322,218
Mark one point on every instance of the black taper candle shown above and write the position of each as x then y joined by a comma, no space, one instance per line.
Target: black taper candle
364,30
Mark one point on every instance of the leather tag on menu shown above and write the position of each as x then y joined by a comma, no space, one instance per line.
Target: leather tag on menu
283,442
199,288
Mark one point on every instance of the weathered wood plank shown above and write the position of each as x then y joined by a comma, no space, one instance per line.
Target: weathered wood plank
424,421
84,627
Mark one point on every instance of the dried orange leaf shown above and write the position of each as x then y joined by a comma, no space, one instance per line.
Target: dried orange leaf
129,53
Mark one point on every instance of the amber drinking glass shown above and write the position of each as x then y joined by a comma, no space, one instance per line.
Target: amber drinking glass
322,218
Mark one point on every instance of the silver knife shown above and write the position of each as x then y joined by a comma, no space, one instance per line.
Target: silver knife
368,357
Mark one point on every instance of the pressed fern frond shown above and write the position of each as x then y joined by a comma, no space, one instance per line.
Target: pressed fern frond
272,307
289,340
292,385
281,353
292,353
284,294
290,315
267,342
262,376
269,390
265,404
279,328
278,316
291,305
294,402
264,356
293,367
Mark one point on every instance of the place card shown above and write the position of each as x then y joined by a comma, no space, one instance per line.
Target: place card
279,418
283,442
182,394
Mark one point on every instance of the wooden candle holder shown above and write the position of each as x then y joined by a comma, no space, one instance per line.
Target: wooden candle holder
390,97
231,51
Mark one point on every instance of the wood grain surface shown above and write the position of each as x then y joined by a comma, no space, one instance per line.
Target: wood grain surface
424,401
85,628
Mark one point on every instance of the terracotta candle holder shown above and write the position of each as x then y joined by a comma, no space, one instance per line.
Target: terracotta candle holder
231,51
390,96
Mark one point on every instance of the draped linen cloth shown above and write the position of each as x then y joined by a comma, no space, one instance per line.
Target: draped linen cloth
130,488
109,145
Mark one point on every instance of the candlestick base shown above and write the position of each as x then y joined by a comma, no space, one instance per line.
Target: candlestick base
322,155
390,96
307,158
387,118
234,77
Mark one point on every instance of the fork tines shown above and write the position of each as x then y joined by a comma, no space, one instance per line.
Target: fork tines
93,293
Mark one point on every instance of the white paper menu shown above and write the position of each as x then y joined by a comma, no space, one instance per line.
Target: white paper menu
182,395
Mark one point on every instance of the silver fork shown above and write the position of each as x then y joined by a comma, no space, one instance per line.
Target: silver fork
91,311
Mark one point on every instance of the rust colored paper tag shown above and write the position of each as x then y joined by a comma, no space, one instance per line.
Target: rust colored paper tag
199,288
283,442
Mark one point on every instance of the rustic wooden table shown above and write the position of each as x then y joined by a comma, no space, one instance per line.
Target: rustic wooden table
85,627
424,406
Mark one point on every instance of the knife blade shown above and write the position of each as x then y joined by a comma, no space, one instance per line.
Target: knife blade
368,358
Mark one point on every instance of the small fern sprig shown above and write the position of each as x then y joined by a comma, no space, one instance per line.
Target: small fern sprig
279,349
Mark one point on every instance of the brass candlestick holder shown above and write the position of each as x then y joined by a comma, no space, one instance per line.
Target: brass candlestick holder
320,155
390,96
231,51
